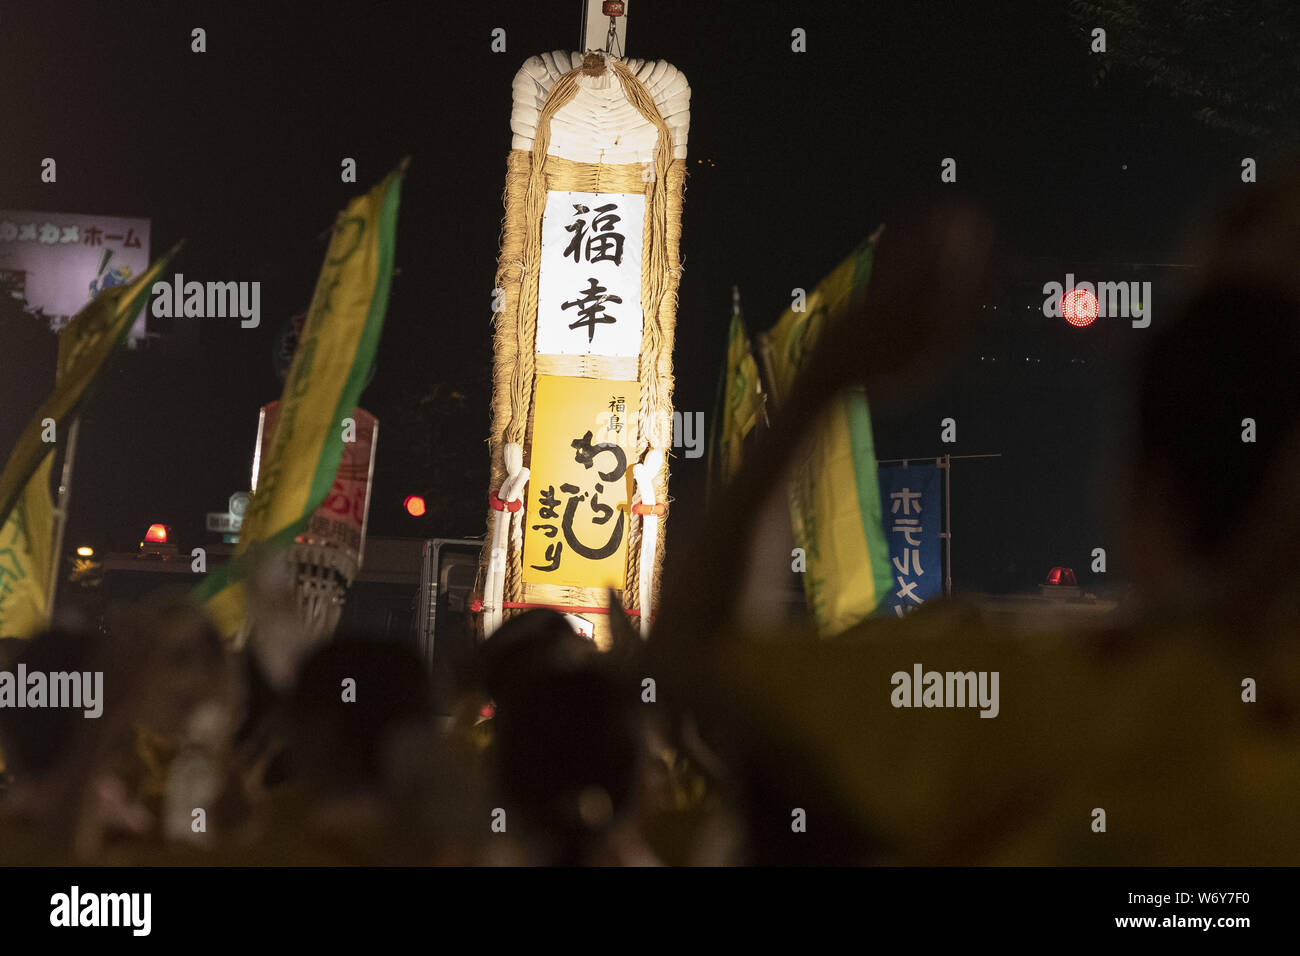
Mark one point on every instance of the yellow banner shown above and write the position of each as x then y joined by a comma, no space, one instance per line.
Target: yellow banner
796,332
329,370
576,518
25,542
27,530
741,398
835,514
833,490
85,344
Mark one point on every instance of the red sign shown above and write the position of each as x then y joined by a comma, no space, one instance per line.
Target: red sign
341,518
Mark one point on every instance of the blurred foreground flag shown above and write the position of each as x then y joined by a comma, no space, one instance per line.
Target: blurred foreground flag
740,403
335,353
834,494
26,513
25,542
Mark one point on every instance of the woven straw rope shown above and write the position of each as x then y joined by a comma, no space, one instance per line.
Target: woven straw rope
529,177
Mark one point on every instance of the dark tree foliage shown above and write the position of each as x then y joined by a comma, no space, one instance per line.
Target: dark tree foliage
431,443
27,366
1234,63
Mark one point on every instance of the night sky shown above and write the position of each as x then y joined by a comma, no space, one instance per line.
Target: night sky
794,158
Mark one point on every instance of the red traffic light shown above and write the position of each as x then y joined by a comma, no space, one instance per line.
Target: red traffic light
414,506
1080,308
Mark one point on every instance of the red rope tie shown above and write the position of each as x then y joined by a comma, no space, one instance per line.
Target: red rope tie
644,509
498,505
477,605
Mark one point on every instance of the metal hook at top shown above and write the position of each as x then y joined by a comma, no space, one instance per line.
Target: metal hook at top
613,9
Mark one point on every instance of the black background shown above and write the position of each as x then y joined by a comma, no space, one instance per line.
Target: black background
793,158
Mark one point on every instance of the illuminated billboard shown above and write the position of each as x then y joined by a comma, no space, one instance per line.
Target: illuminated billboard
59,261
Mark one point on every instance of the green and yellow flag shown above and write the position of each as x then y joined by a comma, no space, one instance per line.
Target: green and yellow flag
25,542
833,490
85,345
335,353
741,401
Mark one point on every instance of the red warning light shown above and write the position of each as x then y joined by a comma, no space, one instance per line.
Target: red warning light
157,533
414,506
1063,576
1079,306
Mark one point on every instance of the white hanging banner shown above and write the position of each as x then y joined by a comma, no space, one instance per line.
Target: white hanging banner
589,286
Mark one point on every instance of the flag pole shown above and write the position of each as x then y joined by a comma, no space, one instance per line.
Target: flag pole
61,515
719,401
947,525
765,357
604,27
763,354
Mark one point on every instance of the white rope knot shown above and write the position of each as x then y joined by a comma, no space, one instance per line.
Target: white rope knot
646,474
511,489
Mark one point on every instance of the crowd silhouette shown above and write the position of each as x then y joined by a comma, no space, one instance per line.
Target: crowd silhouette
1182,724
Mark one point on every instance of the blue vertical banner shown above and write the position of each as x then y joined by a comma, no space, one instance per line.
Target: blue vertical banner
912,513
